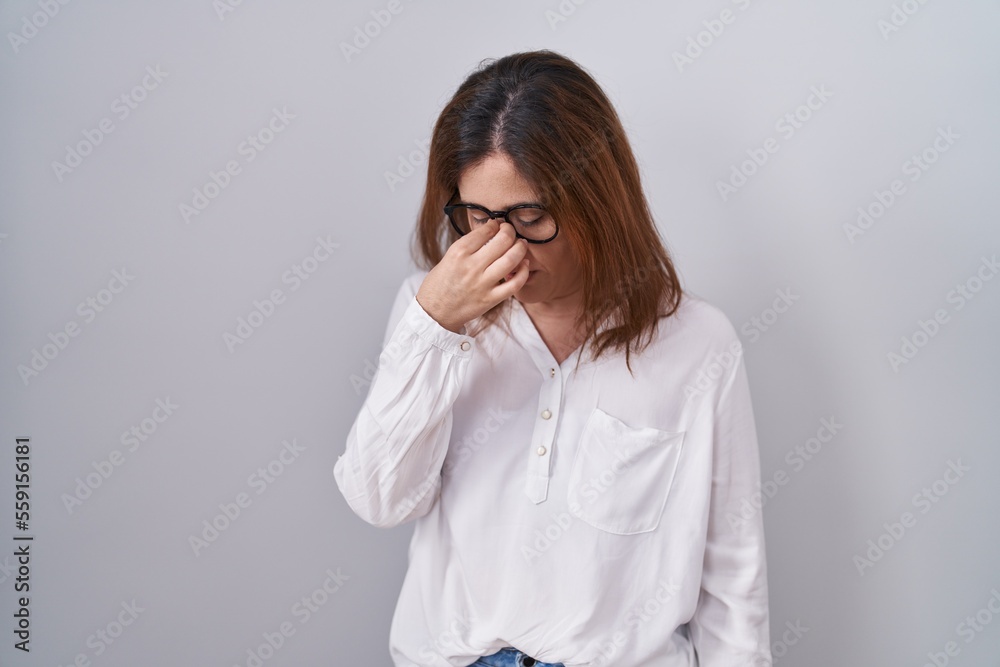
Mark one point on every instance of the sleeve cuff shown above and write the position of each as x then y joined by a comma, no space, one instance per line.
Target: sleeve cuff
416,319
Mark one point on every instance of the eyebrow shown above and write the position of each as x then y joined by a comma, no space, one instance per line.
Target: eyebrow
461,200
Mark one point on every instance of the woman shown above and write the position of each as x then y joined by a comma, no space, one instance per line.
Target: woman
584,515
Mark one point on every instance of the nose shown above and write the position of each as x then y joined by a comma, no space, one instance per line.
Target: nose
517,235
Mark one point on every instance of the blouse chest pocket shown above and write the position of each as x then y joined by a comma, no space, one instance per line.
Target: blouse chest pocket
621,476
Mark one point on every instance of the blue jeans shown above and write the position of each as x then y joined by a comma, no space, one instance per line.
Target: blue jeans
511,657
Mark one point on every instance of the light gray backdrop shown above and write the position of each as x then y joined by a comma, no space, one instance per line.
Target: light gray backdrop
168,167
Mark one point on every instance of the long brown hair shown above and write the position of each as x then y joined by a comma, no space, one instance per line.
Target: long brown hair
550,117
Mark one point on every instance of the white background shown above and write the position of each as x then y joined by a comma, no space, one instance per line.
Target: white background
63,234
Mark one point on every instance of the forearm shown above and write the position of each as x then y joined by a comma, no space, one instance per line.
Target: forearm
390,470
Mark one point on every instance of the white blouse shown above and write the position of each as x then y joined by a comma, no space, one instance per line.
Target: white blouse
589,517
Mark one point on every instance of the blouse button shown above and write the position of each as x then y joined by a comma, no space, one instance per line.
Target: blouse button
541,451
552,372
546,414
465,345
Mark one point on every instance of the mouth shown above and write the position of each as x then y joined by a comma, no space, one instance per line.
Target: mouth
530,273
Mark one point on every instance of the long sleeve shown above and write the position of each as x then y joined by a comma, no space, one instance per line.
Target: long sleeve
390,471
730,626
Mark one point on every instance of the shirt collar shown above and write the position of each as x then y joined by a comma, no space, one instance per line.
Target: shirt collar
526,332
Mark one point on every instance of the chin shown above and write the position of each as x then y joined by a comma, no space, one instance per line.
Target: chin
528,295
528,284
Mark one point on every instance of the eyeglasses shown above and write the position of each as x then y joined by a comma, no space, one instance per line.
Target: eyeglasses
531,221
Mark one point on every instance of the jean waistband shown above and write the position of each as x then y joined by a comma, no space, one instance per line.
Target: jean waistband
521,659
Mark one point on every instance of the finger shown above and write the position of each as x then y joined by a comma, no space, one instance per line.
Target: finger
476,238
496,245
507,287
509,261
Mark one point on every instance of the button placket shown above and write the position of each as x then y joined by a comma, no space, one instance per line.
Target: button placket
549,399
539,460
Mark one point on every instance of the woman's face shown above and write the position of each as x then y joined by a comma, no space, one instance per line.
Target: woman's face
554,270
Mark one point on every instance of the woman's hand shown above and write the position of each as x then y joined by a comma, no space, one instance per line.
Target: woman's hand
466,282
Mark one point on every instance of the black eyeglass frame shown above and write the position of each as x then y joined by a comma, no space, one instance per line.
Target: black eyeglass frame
497,214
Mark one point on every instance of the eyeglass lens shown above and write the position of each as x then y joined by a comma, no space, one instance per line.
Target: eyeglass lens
529,221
